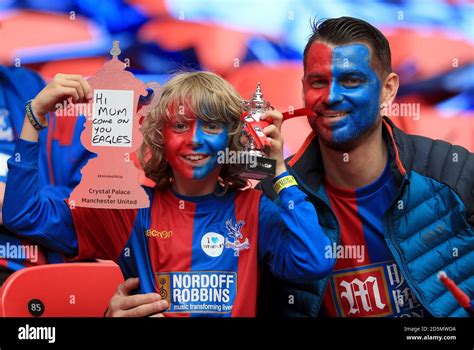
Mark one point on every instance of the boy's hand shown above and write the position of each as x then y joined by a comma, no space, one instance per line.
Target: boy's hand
275,139
59,89
123,304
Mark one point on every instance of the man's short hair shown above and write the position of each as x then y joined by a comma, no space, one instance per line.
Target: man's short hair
347,30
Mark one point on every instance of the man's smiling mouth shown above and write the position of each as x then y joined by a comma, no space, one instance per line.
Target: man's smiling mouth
332,114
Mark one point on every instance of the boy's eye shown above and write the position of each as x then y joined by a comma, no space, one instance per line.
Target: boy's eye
180,127
212,127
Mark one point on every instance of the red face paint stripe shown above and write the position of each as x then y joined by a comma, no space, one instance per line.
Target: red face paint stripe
317,83
177,144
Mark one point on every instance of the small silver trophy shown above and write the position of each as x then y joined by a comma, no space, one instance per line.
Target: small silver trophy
255,163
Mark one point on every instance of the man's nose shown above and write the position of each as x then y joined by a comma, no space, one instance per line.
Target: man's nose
335,94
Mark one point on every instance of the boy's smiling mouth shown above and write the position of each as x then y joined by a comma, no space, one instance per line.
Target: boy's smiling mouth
195,159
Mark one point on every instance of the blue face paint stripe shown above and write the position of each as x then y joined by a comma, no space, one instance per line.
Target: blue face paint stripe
362,101
209,144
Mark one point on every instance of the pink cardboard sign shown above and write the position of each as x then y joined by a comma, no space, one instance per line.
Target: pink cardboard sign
112,130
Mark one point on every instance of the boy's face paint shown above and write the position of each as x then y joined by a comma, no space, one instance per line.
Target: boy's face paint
192,146
343,90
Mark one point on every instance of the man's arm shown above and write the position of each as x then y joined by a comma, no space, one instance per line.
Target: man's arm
30,212
27,210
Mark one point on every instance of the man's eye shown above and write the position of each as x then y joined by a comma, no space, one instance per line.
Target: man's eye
352,81
318,83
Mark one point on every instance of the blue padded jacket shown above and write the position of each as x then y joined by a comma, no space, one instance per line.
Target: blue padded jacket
428,227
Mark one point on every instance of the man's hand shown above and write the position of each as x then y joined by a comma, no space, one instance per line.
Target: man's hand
123,304
61,88
275,139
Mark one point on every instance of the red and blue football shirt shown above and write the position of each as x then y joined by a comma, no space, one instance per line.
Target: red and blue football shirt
200,253
366,280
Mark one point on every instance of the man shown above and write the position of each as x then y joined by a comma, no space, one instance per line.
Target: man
18,85
60,160
398,208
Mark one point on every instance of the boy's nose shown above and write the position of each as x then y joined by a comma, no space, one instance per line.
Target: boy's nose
197,136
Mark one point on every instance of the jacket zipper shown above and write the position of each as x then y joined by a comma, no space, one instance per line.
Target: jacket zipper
388,223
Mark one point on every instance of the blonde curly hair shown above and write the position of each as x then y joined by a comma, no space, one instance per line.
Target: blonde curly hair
208,96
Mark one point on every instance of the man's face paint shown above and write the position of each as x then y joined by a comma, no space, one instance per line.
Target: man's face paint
192,146
341,87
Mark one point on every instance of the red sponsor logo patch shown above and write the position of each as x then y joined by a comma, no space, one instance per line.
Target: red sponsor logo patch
362,293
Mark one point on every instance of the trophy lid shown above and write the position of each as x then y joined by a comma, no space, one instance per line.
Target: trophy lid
258,96
256,103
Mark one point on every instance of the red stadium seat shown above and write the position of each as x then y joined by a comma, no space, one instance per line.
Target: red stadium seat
65,290
37,36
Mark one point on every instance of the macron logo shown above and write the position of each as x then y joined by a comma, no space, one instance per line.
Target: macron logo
37,333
